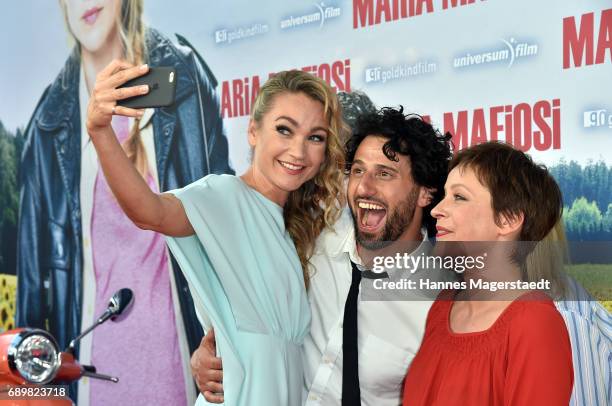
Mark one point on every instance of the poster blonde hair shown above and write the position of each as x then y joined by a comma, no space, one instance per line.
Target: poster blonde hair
547,261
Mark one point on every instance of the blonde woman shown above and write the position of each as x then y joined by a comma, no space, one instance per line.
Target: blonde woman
76,247
244,242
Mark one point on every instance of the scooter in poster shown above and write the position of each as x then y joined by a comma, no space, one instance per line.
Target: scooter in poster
30,359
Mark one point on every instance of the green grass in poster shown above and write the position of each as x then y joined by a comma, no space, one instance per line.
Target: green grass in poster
597,279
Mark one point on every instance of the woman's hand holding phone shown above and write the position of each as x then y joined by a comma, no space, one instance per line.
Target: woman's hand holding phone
106,93
162,213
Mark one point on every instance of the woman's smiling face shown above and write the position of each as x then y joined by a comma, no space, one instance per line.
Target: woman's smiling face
289,144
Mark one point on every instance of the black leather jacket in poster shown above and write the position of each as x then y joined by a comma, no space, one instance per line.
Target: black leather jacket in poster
50,241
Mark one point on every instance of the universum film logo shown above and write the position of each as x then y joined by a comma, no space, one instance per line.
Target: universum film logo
227,36
597,118
510,52
320,16
384,74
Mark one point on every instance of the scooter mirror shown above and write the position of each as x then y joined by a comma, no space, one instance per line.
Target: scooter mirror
120,301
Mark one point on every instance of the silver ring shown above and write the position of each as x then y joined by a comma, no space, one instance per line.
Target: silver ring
113,111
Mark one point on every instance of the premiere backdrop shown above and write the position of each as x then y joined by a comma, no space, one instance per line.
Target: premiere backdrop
535,74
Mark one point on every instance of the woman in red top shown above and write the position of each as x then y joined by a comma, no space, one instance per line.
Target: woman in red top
508,347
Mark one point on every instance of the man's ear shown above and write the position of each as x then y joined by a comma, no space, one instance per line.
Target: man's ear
252,133
425,196
511,224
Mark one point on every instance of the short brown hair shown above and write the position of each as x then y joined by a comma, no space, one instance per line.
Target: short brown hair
517,185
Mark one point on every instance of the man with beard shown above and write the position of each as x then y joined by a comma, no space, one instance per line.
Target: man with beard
358,352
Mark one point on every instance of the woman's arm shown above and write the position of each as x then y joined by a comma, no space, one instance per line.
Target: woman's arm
162,213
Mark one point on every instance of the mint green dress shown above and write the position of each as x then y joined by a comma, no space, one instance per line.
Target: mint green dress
245,275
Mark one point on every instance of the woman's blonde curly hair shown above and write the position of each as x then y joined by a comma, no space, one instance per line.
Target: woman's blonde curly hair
317,203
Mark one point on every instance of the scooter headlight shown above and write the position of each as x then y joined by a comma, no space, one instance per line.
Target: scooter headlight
35,355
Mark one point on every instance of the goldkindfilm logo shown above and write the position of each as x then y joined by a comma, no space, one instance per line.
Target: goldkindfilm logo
321,14
509,52
599,118
229,35
402,71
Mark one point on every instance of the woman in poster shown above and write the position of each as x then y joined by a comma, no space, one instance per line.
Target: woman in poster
76,247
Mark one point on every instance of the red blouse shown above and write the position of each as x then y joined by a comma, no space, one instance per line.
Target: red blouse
524,358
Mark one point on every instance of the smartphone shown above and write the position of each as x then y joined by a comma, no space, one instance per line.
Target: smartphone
162,88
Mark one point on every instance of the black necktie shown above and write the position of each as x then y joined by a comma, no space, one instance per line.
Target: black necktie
351,394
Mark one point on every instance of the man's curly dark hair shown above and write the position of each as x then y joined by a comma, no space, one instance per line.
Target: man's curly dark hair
408,134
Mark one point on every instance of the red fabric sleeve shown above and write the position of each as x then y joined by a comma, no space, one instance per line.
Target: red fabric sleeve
540,368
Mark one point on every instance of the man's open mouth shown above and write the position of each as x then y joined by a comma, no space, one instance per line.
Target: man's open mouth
371,215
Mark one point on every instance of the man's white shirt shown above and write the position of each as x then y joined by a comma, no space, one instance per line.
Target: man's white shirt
389,332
